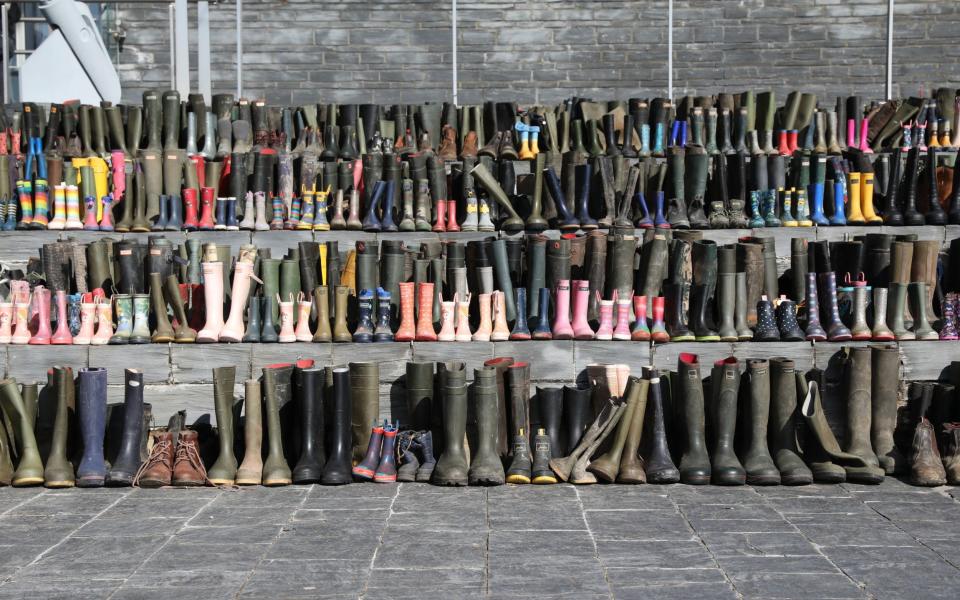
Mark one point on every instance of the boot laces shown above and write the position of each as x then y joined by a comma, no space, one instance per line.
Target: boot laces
187,451
158,457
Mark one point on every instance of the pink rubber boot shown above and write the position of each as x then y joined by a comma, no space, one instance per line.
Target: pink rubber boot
605,330
641,332
213,301
41,302
62,335
581,300
562,330
622,329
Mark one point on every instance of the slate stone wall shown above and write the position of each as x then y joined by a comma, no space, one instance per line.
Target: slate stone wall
298,51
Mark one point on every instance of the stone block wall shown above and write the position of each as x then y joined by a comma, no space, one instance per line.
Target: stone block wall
298,51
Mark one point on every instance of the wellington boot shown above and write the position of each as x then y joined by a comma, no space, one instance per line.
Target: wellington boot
783,424
182,332
885,382
563,467
58,471
607,467
213,300
485,465
657,461
631,466
695,464
321,299
917,294
725,466
579,474
828,462
337,469
757,462
365,469
276,471
251,469
163,333
30,467
92,415
340,331
365,404
224,471
517,380
451,468
124,466
859,414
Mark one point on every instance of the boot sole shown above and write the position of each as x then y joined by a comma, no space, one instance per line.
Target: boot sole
277,482
223,481
27,481
247,482
59,484
544,480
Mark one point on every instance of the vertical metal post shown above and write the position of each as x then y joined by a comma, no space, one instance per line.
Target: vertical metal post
670,50
181,39
239,49
173,46
6,54
456,85
203,50
889,49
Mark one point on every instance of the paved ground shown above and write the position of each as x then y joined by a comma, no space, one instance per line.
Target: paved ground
417,541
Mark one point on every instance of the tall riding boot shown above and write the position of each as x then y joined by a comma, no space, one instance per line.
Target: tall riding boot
485,465
337,469
757,461
92,414
451,468
783,424
224,471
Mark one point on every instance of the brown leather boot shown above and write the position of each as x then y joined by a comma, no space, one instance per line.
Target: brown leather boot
188,469
926,468
951,452
448,144
158,470
469,149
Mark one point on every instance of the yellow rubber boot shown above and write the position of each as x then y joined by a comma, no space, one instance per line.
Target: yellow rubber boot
100,173
803,211
534,140
854,215
525,153
866,198
788,208
323,261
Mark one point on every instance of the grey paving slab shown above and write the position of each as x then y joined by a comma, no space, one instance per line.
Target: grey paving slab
417,541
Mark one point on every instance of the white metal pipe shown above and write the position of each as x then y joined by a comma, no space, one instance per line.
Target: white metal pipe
6,54
453,21
670,50
889,49
171,10
203,50
239,33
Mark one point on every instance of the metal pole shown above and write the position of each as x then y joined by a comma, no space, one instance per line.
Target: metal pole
670,50
6,55
239,49
456,95
203,50
182,60
173,46
889,49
